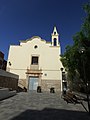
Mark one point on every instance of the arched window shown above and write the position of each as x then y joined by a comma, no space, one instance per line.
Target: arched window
55,42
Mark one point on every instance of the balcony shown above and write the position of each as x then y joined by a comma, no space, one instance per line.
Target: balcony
34,72
34,67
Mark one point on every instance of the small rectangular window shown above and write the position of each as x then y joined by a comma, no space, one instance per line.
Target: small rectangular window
34,60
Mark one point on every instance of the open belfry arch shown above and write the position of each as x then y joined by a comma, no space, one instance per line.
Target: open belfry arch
37,62
55,37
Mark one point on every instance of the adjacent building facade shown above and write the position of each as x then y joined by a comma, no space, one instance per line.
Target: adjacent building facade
7,80
37,62
3,62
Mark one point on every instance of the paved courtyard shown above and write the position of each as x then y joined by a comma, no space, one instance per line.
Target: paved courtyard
40,106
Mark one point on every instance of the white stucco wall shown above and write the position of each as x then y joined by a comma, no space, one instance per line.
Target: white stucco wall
49,58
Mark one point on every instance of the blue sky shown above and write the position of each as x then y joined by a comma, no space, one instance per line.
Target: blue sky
22,19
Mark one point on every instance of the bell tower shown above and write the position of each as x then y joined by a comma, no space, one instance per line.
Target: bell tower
55,37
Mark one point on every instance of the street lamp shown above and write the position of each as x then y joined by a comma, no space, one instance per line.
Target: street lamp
61,79
82,51
64,84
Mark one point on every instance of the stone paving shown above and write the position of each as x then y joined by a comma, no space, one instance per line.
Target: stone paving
40,106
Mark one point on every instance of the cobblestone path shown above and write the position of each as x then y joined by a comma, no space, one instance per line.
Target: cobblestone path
40,106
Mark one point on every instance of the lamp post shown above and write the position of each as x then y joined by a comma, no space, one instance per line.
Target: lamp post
64,85
61,80
82,51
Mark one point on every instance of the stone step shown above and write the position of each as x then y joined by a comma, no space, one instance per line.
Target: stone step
5,93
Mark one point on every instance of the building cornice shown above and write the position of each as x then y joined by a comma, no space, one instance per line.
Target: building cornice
25,41
29,39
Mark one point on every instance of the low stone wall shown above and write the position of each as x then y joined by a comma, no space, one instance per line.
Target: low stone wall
47,84
8,80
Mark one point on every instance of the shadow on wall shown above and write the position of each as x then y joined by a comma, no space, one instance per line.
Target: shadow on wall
52,114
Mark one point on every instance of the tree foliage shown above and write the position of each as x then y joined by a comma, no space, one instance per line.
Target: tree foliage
72,59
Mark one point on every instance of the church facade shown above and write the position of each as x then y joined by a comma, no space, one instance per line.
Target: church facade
37,62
